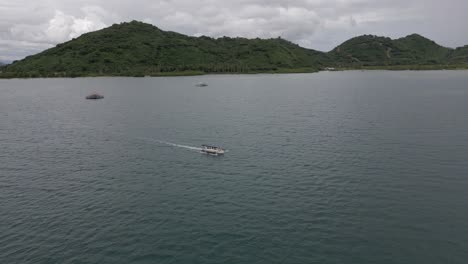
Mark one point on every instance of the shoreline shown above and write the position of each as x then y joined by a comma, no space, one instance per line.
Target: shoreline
282,71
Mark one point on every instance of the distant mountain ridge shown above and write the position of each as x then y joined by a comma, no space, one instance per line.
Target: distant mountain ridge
460,55
371,50
138,49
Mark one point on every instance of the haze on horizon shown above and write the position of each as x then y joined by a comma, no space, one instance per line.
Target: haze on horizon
29,27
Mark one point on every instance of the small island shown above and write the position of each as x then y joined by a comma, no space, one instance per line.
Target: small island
138,49
94,96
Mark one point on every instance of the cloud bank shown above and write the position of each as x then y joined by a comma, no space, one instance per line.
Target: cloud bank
27,27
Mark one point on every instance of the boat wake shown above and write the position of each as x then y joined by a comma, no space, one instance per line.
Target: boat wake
173,144
199,149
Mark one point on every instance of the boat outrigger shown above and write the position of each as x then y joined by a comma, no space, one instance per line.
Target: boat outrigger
212,150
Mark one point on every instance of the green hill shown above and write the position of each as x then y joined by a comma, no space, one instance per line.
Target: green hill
371,50
138,49
459,55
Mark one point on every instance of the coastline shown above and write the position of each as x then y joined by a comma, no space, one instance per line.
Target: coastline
13,75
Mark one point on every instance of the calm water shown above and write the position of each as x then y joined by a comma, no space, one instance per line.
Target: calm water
347,167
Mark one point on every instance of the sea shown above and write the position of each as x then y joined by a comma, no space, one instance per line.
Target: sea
352,167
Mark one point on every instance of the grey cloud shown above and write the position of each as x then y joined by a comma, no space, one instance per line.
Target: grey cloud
27,27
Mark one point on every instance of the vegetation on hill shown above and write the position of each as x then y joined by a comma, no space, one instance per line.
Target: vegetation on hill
371,50
460,55
138,49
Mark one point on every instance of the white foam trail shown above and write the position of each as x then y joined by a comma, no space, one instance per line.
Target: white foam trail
154,140
173,144
179,146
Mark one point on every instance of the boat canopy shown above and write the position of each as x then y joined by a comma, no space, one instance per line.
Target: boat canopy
213,147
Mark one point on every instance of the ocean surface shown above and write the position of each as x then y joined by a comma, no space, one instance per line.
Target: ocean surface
332,167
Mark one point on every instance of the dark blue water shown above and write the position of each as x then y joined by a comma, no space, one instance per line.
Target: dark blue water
345,167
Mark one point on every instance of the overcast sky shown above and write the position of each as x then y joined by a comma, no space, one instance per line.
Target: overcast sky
30,26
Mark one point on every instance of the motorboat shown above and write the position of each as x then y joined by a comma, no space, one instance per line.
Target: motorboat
201,84
94,96
212,150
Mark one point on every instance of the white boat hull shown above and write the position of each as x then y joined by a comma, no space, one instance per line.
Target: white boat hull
212,150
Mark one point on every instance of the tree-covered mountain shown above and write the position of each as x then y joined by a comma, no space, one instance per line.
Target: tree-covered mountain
137,49
371,50
411,52
460,55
